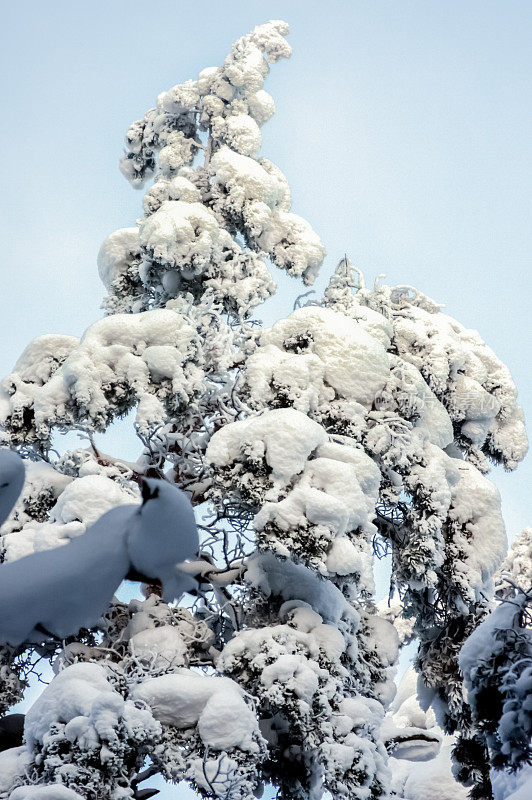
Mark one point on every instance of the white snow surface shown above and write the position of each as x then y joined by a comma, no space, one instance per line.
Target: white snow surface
116,253
163,648
288,653
421,763
367,472
517,566
12,765
183,235
283,578
459,366
216,705
516,786
392,610
293,245
82,698
42,485
249,181
328,495
78,507
333,368
39,361
87,571
154,538
476,504
426,780
482,643
335,356
284,438
55,791
12,472
137,350
162,535
412,730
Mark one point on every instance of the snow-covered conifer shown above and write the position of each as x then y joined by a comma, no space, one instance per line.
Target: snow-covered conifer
362,422
516,569
496,662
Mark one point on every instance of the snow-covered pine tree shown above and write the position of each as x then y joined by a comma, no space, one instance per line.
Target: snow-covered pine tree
515,571
496,661
360,423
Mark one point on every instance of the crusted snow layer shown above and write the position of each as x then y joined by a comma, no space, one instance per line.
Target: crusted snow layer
293,245
241,133
70,587
476,507
433,421
304,504
317,354
290,581
55,791
377,325
328,492
248,181
343,558
454,489
326,502
116,253
85,499
216,705
256,193
184,246
384,639
177,188
483,642
297,670
419,780
367,472
11,481
81,503
82,698
475,386
151,355
261,106
12,766
183,235
294,668
338,479
248,195
283,438
162,648
40,359
410,732
42,486
32,372
517,566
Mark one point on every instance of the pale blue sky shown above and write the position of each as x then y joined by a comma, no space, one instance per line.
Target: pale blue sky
403,127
